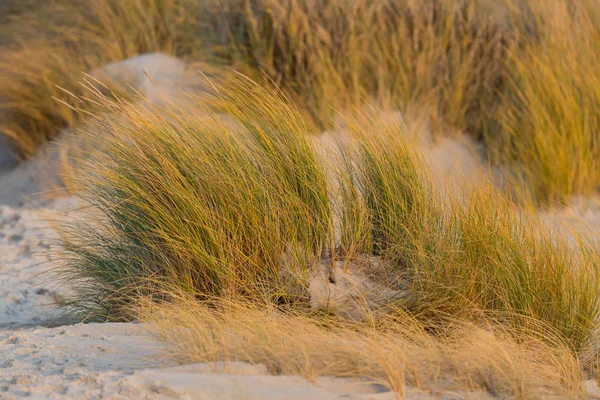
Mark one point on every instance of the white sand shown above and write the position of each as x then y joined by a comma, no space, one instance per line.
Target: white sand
25,242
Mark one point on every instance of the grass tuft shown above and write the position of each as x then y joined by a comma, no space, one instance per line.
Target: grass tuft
240,206
466,249
549,115
226,206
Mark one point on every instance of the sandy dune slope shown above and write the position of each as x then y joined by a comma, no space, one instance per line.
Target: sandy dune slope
43,357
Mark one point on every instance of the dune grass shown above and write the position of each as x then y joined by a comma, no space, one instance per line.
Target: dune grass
549,118
217,204
239,207
47,49
39,93
395,351
332,54
517,74
469,249
237,210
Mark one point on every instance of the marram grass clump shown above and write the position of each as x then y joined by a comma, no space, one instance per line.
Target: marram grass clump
466,251
47,49
549,114
239,205
220,205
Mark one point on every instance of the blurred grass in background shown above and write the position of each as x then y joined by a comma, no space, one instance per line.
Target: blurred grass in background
518,75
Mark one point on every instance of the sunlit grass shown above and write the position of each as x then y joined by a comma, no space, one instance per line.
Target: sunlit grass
47,49
549,119
395,352
464,249
227,206
239,206
518,74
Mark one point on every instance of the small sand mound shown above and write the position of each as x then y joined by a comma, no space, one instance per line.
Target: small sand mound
157,77
354,288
